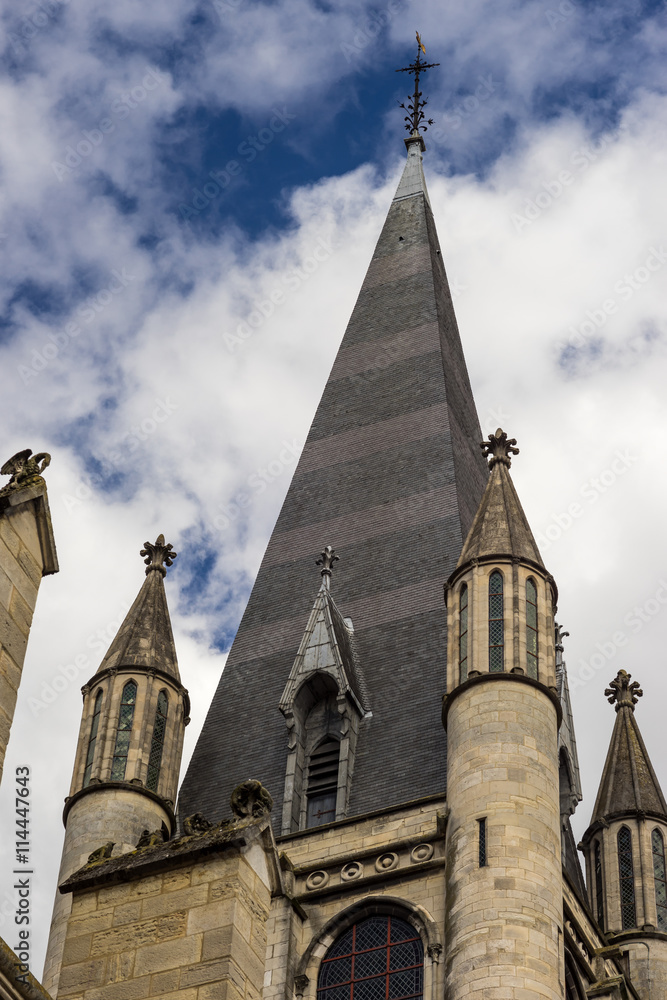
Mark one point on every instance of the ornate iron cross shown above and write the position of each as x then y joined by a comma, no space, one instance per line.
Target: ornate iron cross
415,116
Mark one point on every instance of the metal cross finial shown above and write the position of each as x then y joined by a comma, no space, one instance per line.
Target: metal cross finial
499,447
158,554
326,561
415,116
622,692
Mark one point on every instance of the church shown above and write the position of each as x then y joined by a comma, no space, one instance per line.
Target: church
379,804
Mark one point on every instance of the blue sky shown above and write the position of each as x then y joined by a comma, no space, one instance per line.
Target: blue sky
137,346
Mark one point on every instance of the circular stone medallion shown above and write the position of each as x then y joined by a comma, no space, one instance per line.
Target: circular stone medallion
386,862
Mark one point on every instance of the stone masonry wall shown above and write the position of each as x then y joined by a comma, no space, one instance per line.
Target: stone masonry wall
192,933
21,570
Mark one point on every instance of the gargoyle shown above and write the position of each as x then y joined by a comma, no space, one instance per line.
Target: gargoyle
196,824
24,469
102,853
251,799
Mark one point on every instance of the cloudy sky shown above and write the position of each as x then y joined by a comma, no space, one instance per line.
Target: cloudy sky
166,166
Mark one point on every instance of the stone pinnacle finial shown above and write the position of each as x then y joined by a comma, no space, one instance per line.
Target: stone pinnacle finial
622,692
499,447
158,554
326,561
24,470
560,635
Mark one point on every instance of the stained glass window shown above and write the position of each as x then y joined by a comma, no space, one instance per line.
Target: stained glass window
92,740
157,742
496,624
626,874
463,632
124,731
322,787
381,958
531,629
658,845
599,898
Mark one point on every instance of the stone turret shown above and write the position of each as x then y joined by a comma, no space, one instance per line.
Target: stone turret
625,847
502,714
128,757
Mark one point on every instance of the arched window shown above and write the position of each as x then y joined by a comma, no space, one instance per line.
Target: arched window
92,740
597,871
322,787
573,990
626,874
658,846
463,633
496,624
157,742
125,717
531,628
381,958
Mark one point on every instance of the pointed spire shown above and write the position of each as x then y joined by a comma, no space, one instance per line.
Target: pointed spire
145,639
629,784
500,526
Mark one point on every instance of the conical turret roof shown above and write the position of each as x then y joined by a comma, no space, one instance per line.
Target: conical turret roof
500,526
629,783
145,639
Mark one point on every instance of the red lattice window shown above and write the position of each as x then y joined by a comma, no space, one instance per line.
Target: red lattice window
381,958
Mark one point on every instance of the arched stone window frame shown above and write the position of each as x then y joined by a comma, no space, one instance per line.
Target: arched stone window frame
574,987
157,740
319,686
494,668
126,685
658,859
626,880
94,736
307,969
532,630
464,632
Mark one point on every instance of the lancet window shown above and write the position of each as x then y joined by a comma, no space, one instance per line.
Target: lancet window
124,731
157,742
92,739
463,633
658,845
380,958
496,624
531,628
626,874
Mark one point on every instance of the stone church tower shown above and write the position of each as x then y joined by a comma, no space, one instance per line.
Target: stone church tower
128,757
379,804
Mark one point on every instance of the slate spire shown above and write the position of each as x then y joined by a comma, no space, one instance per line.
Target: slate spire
392,470
145,639
629,784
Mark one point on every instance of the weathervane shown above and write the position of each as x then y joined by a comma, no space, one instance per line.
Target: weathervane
415,116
